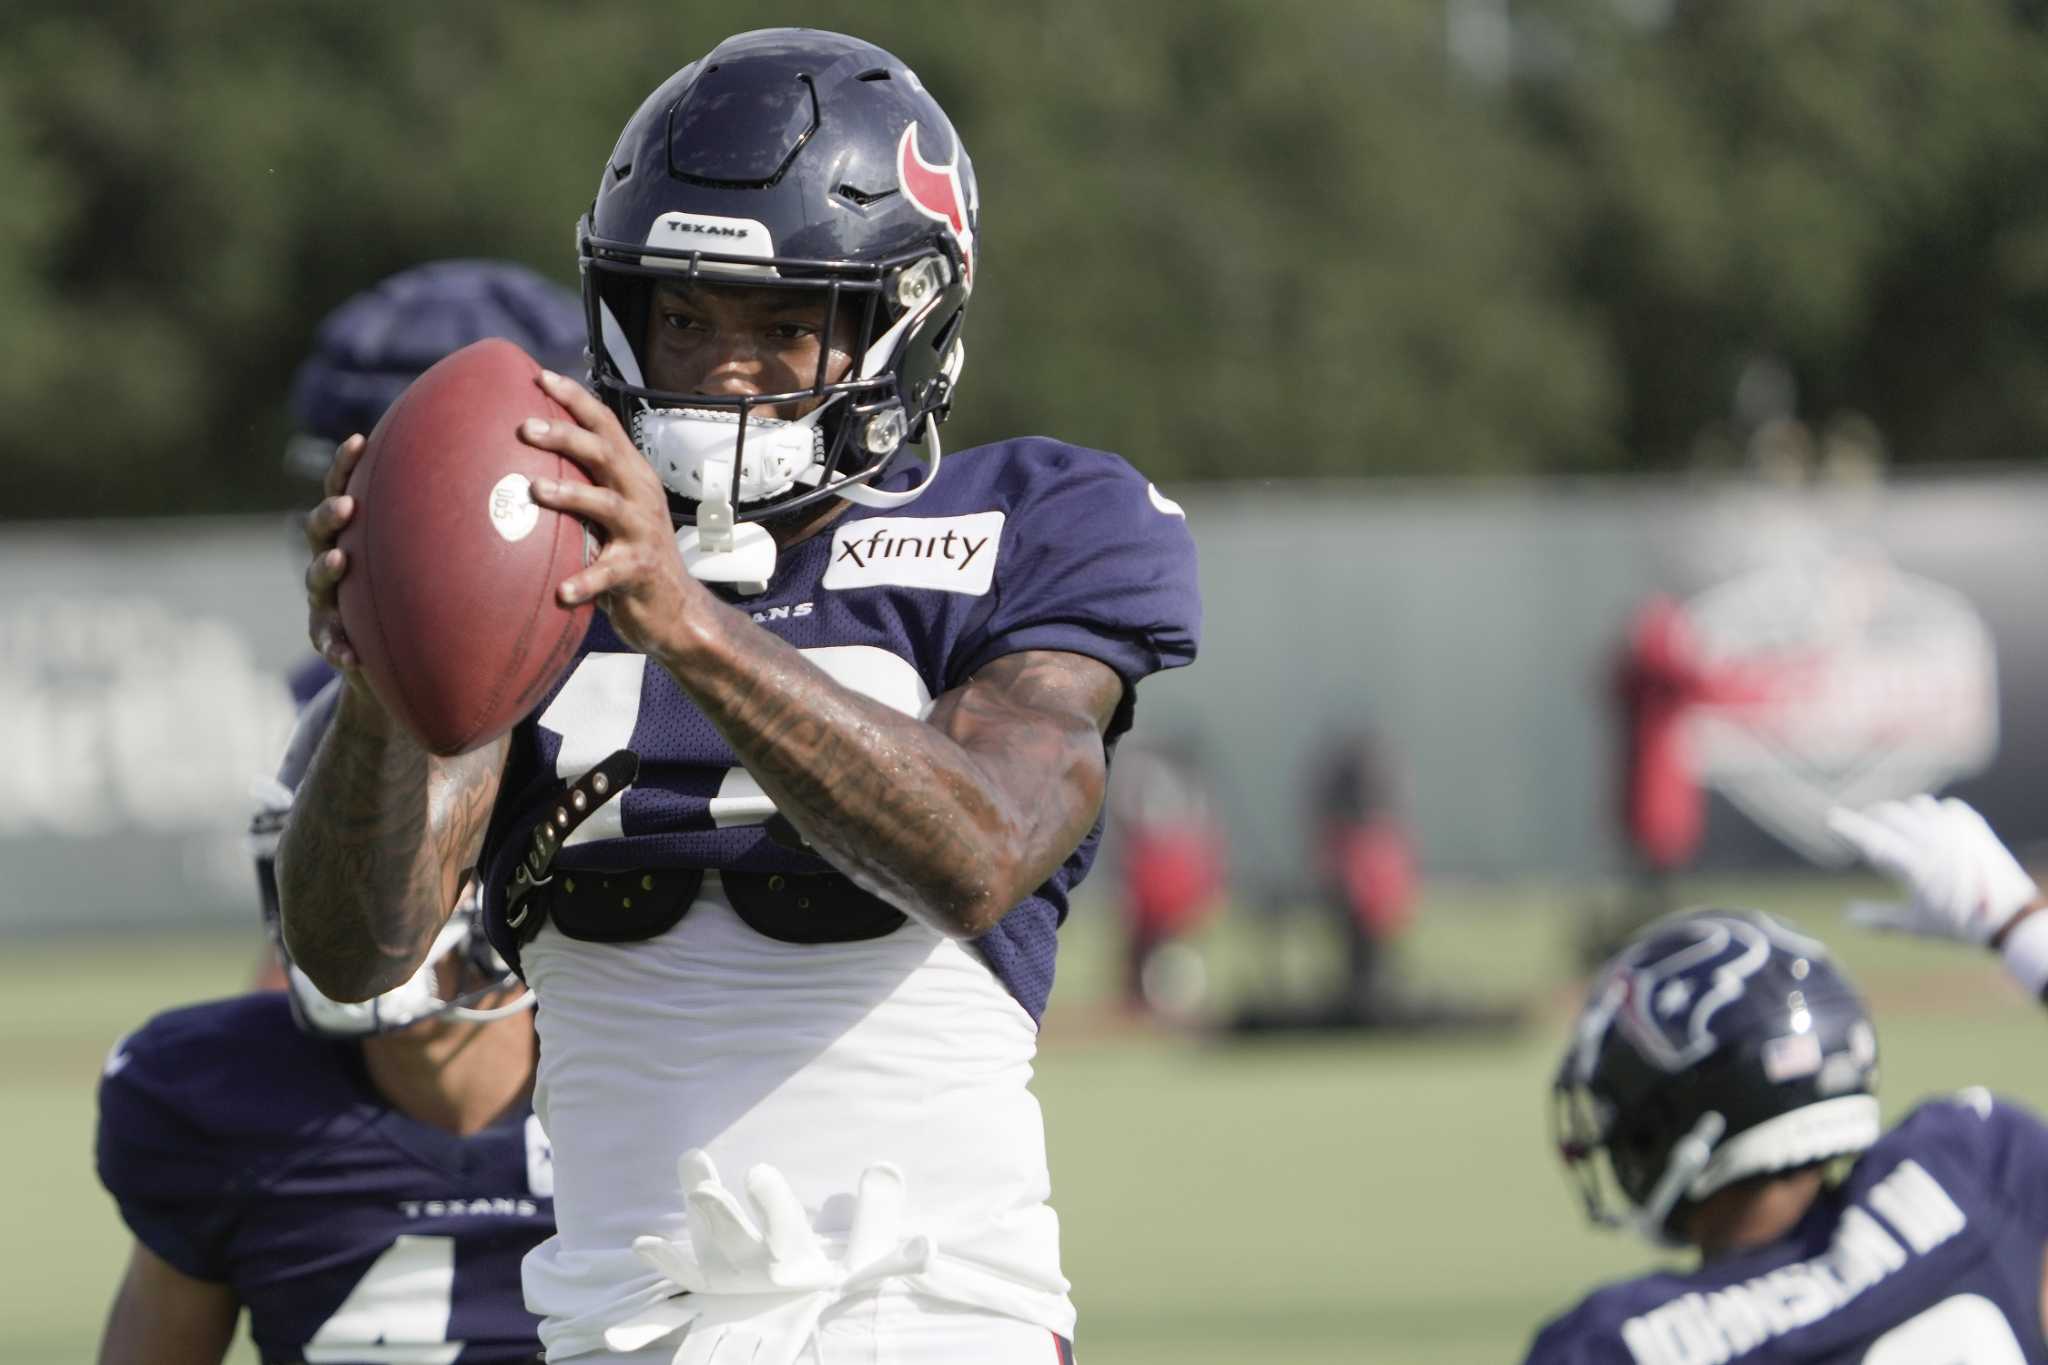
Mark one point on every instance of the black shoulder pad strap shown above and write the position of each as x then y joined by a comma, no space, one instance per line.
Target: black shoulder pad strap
577,803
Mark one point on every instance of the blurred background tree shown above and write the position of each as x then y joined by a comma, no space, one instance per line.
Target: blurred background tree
1226,238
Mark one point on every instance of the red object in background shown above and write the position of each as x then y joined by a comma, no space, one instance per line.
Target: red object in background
1173,878
1660,681
1373,862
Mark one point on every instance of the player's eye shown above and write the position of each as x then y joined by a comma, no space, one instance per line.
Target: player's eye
787,330
681,322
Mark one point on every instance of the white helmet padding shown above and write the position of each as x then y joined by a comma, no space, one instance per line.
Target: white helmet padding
418,998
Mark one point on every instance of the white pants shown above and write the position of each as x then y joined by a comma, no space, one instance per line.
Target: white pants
893,1327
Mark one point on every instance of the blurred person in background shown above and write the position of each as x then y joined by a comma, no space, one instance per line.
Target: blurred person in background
869,702
1363,855
375,343
1718,1093
1659,680
1171,852
362,1179
1360,850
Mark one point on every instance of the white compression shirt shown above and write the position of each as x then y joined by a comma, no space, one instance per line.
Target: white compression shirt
819,1059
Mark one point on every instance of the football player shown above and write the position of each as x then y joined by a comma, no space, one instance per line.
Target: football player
861,708
362,1179
1718,1094
349,1174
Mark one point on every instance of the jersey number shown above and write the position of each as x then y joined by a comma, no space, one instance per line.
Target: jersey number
598,709
1967,1329
398,1312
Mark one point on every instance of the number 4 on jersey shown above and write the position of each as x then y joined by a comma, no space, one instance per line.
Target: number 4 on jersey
398,1312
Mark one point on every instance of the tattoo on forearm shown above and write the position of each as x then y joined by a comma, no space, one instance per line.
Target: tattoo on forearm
952,819
369,863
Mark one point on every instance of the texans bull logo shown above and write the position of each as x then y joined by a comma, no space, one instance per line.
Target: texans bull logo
936,192
1665,996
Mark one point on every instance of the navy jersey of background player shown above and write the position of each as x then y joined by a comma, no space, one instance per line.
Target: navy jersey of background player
1928,1253
1026,545
246,1152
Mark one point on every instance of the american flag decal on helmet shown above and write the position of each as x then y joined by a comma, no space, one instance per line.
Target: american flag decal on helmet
935,191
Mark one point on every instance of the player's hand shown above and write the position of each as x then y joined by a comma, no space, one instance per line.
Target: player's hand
328,563
638,578
1960,881
755,1278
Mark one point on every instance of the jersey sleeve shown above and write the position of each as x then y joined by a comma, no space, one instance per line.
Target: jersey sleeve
1094,561
170,1178
1572,1340
2010,1145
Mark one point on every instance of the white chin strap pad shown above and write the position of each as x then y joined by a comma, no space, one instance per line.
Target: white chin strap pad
407,1003
681,442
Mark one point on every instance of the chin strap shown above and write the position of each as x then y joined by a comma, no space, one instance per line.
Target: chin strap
859,493
1689,1156
471,1014
720,549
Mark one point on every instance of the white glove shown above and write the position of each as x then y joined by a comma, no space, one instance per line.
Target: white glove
1962,882
755,1287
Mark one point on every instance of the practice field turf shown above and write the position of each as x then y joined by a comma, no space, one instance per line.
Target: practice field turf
1309,1202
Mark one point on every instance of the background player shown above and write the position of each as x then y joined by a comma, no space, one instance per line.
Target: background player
372,345
363,1179
872,747
1721,1068
403,1093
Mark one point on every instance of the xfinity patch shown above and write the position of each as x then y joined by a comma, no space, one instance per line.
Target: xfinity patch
951,554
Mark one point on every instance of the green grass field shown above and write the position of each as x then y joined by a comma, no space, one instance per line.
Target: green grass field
1315,1203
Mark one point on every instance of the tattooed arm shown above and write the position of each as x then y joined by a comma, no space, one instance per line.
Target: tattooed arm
381,832
953,820
373,855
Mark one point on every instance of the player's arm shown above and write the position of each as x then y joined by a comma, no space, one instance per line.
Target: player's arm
1960,880
162,1316
381,831
953,819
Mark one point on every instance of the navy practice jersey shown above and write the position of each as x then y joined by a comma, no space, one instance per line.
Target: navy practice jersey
248,1153
1026,545
1928,1253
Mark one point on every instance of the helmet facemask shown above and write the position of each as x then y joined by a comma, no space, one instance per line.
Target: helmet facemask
1630,1173
730,458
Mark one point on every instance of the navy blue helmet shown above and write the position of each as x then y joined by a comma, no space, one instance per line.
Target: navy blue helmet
1718,1045
373,345
788,160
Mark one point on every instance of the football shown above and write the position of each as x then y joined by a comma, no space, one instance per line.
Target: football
449,599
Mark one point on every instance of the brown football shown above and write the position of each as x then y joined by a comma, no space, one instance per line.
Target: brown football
449,599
